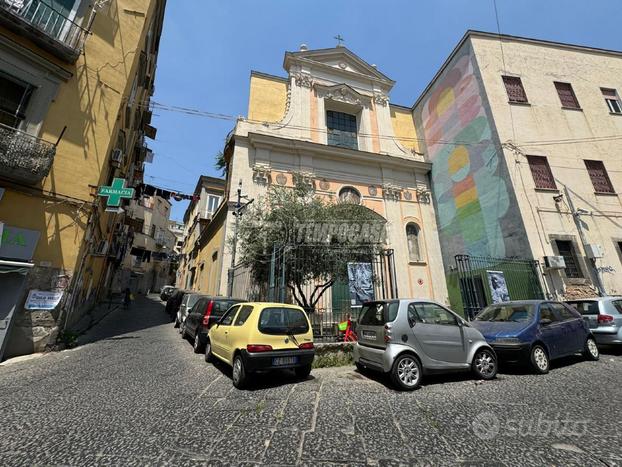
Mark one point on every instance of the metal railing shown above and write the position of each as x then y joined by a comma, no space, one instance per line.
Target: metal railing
23,157
48,20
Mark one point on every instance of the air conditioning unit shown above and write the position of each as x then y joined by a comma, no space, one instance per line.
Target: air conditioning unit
554,262
117,156
594,251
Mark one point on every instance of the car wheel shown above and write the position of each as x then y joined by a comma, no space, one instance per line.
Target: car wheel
198,348
591,349
303,371
176,325
406,372
239,373
182,330
208,351
360,367
540,359
485,364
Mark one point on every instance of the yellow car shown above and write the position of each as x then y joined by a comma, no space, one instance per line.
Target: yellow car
253,337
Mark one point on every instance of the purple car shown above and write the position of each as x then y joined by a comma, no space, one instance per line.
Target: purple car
535,332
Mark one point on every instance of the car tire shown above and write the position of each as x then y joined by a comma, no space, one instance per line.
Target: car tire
208,352
196,345
540,359
176,325
239,372
182,330
485,364
360,368
590,352
406,372
303,371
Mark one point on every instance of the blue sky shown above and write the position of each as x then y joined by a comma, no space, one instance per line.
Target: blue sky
209,47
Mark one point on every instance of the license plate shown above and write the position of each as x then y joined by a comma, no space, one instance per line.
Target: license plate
280,361
369,334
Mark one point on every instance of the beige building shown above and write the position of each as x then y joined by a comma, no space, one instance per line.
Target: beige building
329,121
524,137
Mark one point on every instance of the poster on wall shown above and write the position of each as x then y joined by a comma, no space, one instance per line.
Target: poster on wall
42,300
498,287
360,283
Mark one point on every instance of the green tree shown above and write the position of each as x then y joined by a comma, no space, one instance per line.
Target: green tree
221,163
318,237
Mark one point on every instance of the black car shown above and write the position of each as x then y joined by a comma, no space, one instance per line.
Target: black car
166,292
174,302
203,315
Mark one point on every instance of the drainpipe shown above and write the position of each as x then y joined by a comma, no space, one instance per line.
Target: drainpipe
576,215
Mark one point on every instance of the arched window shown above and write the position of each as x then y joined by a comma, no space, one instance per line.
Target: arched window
349,195
412,237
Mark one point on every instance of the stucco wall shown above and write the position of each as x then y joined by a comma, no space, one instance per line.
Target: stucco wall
267,98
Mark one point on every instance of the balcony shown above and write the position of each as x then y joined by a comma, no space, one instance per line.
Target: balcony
23,157
47,27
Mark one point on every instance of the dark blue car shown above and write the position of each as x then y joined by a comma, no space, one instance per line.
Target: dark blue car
535,331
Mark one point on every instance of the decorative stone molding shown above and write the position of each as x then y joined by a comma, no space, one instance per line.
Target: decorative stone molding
281,179
306,178
392,192
381,99
408,196
261,173
342,93
303,79
373,191
324,185
423,195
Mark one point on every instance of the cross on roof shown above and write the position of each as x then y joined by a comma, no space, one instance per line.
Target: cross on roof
340,39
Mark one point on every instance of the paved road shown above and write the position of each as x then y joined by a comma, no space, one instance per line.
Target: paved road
135,394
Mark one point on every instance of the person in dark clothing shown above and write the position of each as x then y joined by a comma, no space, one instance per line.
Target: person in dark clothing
127,298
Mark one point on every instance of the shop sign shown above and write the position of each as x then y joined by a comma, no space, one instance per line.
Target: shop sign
42,300
115,192
16,243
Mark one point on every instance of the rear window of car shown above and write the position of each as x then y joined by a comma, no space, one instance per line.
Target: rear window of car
192,299
276,320
585,307
378,313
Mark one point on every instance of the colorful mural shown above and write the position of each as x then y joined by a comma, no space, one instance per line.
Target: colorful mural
470,193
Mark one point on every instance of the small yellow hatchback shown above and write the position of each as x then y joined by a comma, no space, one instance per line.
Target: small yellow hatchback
252,337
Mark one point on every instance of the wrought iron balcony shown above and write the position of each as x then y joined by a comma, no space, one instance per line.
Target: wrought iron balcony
46,26
23,157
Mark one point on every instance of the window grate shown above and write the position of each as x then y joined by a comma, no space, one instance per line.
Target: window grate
566,249
567,95
541,173
514,89
598,175
342,130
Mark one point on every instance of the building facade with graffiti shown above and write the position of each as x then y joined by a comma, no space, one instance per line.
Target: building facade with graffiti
525,163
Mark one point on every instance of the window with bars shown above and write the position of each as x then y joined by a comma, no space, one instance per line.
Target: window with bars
598,175
541,173
14,97
514,89
613,100
567,95
566,249
341,129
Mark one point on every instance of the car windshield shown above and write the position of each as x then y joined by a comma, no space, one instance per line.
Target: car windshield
585,307
515,313
284,321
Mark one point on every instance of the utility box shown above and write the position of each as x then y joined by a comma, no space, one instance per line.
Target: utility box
594,251
554,262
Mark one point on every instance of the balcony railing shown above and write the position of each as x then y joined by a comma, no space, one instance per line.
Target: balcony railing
50,28
23,157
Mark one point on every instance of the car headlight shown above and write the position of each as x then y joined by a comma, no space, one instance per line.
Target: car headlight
507,340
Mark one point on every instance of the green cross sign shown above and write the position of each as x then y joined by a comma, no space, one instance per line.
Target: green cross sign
115,192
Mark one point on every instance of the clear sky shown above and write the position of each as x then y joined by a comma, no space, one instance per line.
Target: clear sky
209,47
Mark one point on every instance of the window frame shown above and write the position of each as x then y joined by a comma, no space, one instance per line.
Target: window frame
422,321
611,190
244,309
614,97
233,311
575,258
559,85
514,80
331,119
533,161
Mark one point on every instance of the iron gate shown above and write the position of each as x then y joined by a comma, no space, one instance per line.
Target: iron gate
480,278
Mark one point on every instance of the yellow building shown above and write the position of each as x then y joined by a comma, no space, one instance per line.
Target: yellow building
75,81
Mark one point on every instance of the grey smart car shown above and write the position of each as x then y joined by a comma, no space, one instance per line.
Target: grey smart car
407,338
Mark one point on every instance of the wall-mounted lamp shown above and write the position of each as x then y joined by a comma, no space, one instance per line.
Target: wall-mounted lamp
558,198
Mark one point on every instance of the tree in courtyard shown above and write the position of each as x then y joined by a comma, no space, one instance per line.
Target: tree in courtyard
315,240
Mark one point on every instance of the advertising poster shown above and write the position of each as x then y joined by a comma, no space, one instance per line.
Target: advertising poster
360,282
42,300
498,287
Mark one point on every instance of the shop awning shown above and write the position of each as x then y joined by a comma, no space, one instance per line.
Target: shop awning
14,267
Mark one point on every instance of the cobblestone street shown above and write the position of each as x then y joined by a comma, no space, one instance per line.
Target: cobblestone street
133,393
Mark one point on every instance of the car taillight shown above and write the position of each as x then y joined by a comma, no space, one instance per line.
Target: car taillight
208,312
387,333
258,348
605,319
306,346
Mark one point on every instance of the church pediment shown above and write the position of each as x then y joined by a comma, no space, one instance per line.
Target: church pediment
342,93
338,58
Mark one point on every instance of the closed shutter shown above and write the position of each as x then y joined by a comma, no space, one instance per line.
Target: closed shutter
514,89
541,172
599,177
567,96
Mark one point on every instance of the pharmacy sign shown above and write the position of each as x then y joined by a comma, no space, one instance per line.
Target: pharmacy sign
115,192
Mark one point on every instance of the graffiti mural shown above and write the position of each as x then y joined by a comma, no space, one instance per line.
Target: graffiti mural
471,195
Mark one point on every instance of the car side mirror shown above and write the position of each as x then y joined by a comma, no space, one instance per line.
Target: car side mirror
545,322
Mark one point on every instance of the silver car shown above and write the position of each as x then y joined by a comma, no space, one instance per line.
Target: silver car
604,317
407,338
186,305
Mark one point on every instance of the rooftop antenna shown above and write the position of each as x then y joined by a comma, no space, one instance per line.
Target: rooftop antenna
340,39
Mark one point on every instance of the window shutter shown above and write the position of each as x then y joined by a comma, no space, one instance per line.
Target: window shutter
514,89
599,177
611,93
567,96
541,172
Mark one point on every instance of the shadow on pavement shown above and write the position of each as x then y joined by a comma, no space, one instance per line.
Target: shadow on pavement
145,312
